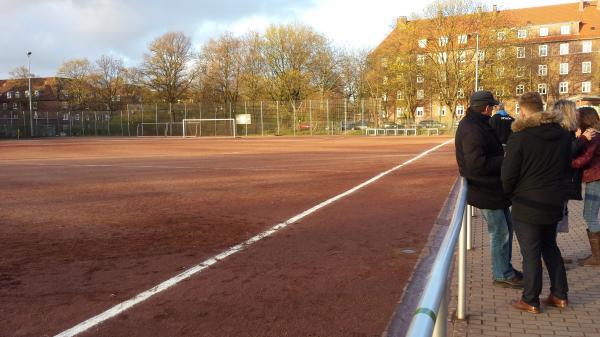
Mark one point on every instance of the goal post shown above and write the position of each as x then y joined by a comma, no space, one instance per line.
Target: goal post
223,127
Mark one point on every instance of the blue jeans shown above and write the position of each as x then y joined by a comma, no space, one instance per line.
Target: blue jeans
591,205
500,229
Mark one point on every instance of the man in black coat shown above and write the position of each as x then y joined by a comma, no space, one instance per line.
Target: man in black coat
501,122
538,157
479,155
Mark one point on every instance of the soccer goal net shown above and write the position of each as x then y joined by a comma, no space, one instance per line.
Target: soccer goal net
216,127
153,129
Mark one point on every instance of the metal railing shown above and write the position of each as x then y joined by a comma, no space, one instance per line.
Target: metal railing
431,315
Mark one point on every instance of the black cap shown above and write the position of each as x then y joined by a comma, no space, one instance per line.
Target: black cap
483,98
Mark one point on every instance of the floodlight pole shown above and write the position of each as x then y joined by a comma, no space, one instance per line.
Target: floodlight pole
30,103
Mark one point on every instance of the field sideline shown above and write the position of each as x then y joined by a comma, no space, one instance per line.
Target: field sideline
93,222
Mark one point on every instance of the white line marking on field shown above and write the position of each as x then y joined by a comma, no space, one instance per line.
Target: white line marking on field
121,307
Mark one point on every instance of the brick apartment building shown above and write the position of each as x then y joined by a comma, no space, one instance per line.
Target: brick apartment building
559,45
52,111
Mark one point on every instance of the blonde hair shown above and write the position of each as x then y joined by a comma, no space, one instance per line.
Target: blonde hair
568,111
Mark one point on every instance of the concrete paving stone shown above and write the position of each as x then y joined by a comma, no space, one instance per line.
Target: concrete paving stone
489,308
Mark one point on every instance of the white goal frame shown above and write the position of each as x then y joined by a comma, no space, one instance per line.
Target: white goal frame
196,120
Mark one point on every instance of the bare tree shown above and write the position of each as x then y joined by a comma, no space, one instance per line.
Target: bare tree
108,79
166,67
254,67
20,72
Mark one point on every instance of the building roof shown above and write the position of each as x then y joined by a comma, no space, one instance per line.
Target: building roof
46,86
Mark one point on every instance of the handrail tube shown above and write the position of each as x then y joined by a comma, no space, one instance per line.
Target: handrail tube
429,305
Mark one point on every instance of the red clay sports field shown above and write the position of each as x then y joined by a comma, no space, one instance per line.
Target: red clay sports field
89,224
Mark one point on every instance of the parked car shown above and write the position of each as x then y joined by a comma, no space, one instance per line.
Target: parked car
431,124
392,125
354,125
303,126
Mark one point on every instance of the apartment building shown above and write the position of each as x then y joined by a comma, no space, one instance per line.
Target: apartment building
555,51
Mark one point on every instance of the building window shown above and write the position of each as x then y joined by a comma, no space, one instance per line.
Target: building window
463,39
564,69
522,34
481,55
420,79
399,95
586,87
422,43
500,72
8,95
586,47
520,89
520,52
36,93
442,111
499,92
462,56
564,49
586,67
443,41
15,106
563,87
34,105
542,88
442,57
543,50
421,59
65,117
501,36
420,94
460,93
520,71
17,94
565,30
517,109
399,112
460,110
420,111
500,53
543,31
542,70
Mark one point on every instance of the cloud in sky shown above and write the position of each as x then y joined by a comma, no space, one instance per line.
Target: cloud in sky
56,30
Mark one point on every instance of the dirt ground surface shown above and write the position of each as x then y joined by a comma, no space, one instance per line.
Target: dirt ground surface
88,223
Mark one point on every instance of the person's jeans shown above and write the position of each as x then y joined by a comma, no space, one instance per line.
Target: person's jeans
591,205
539,241
501,236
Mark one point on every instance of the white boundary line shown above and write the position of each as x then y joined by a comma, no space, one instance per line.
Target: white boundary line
123,306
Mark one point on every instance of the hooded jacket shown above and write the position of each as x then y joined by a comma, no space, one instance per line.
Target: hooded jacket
538,157
479,157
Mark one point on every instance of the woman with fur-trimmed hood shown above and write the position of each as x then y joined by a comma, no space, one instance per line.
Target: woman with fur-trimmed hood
538,157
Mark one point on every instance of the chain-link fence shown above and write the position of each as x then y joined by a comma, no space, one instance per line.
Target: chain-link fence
308,117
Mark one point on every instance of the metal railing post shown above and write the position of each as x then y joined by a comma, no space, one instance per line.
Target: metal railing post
441,323
469,216
461,307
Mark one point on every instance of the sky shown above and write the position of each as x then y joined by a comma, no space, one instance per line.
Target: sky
58,30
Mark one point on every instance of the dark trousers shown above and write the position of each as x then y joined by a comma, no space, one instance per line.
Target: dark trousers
537,242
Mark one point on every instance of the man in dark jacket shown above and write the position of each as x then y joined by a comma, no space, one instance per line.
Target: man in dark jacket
501,122
537,159
479,155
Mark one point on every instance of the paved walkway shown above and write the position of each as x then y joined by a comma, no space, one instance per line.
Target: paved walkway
489,308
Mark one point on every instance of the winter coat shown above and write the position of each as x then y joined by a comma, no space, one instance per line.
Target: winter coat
501,123
537,160
573,179
589,160
479,156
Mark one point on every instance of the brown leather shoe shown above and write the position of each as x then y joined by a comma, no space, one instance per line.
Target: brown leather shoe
556,302
520,305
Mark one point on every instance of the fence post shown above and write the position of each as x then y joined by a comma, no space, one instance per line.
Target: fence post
95,124
329,127
122,131
278,133
310,116
156,118
345,117
246,112
82,123
262,124
294,117
200,107
129,122
461,307
108,122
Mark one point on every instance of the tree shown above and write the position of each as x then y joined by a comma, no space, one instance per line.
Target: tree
353,69
291,55
108,80
221,63
166,67
74,85
20,72
254,82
